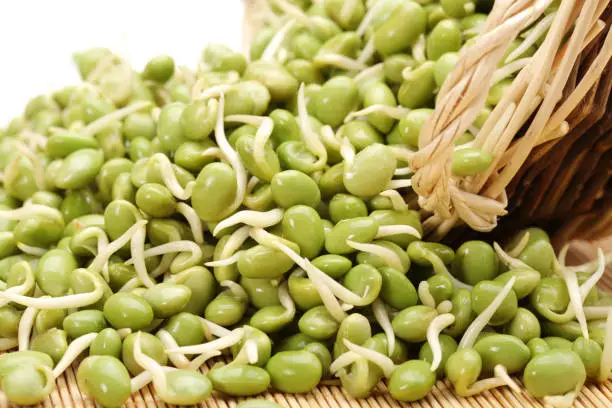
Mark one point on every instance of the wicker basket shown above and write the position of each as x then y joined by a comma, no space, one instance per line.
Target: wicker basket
544,106
565,185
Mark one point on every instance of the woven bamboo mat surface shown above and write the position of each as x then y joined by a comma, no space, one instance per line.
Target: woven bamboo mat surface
67,394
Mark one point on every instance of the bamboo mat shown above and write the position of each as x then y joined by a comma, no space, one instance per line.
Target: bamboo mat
67,394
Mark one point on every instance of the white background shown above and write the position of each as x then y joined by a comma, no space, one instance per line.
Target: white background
38,37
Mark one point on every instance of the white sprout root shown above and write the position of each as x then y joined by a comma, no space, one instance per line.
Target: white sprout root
314,274
389,230
96,233
25,287
265,126
106,250
60,302
576,300
388,256
560,401
253,181
367,52
172,247
169,177
482,386
402,153
179,360
101,123
330,138
402,171
233,243
343,360
479,323
434,329
369,73
367,18
277,41
446,306
520,246
224,262
590,283
418,50
164,265
76,347
347,151
501,373
310,137
398,202
248,353
213,328
221,343
382,361
193,220
339,61
425,295
144,378
605,365
262,135
251,351
202,358
382,318
137,250
214,92
130,285
235,289
395,112
158,374
25,327
232,157
31,250
440,269
578,292
398,183
30,211
286,301
509,261
258,219
123,333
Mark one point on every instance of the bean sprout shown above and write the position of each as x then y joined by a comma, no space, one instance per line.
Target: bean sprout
434,329
479,323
